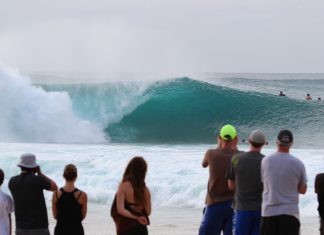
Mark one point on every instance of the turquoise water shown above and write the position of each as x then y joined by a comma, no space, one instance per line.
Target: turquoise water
186,111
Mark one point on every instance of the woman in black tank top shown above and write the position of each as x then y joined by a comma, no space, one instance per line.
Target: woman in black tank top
69,205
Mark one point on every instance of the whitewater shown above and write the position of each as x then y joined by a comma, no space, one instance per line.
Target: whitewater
170,122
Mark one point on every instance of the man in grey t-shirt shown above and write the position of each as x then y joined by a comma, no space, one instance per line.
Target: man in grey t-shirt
245,178
284,178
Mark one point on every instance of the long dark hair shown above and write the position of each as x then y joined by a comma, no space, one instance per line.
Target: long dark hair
135,173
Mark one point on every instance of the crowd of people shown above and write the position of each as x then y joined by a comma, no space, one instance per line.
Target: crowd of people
248,193
130,210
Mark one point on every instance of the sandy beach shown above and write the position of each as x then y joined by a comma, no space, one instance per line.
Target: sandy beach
164,221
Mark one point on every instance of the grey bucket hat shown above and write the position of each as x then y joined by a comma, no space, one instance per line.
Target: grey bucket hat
28,160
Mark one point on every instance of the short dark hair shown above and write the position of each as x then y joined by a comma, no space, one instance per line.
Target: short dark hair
1,176
70,172
256,145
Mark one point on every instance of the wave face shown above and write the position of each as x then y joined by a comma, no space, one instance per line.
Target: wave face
189,111
179,110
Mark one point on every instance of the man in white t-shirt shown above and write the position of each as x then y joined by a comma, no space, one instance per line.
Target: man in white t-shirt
6,208
284,178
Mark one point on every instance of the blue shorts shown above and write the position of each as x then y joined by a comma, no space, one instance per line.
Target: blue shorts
217,218
246,222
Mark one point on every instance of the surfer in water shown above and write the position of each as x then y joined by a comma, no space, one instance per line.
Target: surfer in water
281,94
308,97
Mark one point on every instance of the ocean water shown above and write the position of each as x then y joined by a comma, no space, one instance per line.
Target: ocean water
170,122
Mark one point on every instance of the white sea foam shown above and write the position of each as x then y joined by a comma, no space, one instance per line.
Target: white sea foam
175,176
30,114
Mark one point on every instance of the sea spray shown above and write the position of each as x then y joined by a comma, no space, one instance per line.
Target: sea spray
31,114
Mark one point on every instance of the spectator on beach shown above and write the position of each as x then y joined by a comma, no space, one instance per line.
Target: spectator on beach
218,213
284,178
6,208
132,204
308,97
27,192
69,205
245,178
319,189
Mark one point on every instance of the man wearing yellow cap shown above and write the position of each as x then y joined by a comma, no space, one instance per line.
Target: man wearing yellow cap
218,214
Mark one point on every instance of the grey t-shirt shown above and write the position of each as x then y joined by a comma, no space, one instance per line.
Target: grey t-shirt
245,171
281,174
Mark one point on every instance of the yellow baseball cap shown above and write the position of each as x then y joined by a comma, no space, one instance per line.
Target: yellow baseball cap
228,132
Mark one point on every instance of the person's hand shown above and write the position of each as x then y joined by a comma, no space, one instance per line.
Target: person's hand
142,220
38,170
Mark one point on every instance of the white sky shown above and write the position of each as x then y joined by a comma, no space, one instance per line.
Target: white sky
162,35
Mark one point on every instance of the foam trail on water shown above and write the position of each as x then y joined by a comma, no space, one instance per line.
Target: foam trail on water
30,114
175,176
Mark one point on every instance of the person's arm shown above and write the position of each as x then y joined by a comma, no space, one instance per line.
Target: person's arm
84,203
205,162
10,223
302,188
54,201
316,184
231,184
53,186
148,208
120,199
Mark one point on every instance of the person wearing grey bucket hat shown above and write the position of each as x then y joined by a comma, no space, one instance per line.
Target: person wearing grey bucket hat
27,192
244,177
28,160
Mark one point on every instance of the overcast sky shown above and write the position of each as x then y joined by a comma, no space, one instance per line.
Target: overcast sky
162,35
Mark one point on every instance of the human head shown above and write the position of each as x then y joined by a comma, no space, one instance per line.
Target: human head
285,138
257,138
228,133
135,173
70,172
28,162
307,94
1,176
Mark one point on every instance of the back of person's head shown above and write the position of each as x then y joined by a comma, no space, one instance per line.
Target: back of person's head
135,173
228,133
285,138
70,172
1,176
257,138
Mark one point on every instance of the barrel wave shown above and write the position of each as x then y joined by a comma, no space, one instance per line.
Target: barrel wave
181,110
189,111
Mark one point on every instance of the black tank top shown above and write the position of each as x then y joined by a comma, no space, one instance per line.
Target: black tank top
69,210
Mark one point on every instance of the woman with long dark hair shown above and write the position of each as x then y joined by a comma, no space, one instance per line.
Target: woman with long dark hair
69,205
132,203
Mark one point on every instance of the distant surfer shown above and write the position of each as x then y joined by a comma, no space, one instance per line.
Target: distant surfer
319,98
308,97
281,94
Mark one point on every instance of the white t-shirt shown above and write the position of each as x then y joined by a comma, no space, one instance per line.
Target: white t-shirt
6,207
281,174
